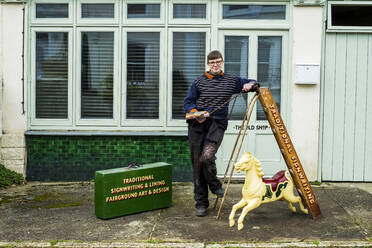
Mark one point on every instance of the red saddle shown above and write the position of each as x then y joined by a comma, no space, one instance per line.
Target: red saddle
279,177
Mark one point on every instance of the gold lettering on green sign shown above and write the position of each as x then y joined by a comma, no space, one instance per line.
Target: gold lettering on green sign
138,179
143,187
127,188
160,190
121,197
155,184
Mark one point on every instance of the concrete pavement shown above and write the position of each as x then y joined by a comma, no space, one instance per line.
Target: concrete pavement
62,215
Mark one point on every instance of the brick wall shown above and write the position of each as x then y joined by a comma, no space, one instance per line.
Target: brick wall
76,158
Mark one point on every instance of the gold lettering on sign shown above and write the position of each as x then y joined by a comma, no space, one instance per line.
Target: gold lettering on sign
138,179
126,188
121,197
142,193
303,181
155,184
280,126
158,187
160,190
288,151
294,159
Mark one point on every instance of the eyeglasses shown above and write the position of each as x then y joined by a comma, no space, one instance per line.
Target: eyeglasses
219,62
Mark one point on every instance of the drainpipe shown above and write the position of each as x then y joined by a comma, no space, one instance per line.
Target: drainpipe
23,61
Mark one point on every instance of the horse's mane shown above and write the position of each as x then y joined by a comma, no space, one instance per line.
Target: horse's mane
258,167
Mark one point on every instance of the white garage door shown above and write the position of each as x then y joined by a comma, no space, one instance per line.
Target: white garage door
346,152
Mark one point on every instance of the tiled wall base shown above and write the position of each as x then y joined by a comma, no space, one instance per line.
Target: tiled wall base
76,158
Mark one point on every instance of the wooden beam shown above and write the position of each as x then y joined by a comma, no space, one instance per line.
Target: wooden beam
288,151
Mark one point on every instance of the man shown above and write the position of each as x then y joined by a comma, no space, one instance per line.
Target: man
208,93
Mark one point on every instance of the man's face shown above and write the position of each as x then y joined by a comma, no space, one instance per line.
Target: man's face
215,65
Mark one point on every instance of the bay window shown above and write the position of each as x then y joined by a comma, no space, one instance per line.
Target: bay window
124,65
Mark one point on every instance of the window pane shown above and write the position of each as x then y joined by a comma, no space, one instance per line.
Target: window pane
143,10
254,12
52,75
347,15
236,63
97,69
143,52
189,11
52,10
101,10
188,64
269,68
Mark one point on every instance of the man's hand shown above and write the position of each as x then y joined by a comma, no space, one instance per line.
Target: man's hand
201,119
251,87
247,87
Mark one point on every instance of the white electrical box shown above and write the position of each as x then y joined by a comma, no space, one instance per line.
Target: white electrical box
307,74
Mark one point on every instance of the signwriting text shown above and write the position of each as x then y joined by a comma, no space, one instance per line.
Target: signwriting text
142,189
295,161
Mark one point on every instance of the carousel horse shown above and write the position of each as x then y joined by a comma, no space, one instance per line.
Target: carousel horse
257,190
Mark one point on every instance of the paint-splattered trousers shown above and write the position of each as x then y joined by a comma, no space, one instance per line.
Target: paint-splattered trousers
204,140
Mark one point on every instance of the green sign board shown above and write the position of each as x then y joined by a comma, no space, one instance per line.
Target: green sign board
123,191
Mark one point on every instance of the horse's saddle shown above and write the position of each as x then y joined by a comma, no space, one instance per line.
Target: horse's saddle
279,177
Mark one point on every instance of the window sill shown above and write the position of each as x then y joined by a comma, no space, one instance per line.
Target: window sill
108,133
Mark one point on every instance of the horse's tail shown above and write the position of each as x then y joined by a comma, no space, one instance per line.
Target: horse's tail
288,176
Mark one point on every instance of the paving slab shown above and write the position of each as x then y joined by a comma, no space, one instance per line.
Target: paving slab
53,213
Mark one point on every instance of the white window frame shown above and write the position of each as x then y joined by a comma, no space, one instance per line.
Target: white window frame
98,21
142,21
253,23
190,21
174,122
331,28
162,80
44,121
51,21
116,96
253,70
166,25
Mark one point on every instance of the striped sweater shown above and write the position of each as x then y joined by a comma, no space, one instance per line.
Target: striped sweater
210,92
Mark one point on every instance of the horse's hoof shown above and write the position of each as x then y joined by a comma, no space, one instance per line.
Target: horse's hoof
232,222
306,211
240,226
